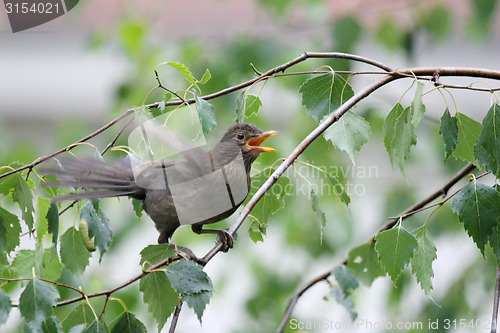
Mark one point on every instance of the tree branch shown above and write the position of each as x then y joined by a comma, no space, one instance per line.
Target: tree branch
494,316
465,171
295,299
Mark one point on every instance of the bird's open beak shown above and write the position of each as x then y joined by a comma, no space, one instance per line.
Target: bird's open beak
254,144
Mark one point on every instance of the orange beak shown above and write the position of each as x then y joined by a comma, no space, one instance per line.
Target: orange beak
254,144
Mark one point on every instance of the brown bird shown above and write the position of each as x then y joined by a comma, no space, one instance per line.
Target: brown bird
198,188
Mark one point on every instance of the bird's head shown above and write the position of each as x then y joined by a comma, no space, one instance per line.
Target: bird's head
248,138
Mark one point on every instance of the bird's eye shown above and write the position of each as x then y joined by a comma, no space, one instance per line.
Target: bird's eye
240,136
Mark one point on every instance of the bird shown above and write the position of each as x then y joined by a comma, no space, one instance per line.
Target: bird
198,188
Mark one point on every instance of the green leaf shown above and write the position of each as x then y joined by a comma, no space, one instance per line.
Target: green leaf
24,262
487,148
10,231
128,323
495,236
198,302
468,133
257,230
36,302
344,300
449,133
82,314
399,135
252,105
495,243
5,306
137,204
478,208
184,70
52,267
421,262
246,105
240,107
417,106
23,196
98,224
7,183
273,200
188,278
349,133
167,97
395,248
346,284
205,113
364,262
345,278
318,211
156,253
74,254
78,328
338,187
46,265
96,327
42,224
52,325
158,294
323,94
53,222
206,76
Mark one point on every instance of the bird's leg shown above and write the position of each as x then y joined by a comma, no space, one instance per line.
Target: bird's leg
187,254
225,238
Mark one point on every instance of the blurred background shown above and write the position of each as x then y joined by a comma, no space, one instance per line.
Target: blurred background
64,79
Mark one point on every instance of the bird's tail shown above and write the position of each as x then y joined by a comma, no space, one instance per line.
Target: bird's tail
99,179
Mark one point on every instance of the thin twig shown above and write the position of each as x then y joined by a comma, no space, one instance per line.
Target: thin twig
56,283
67,207
175,318
443,191
454,86
295,299
112,143
164,262
104,306
494,316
